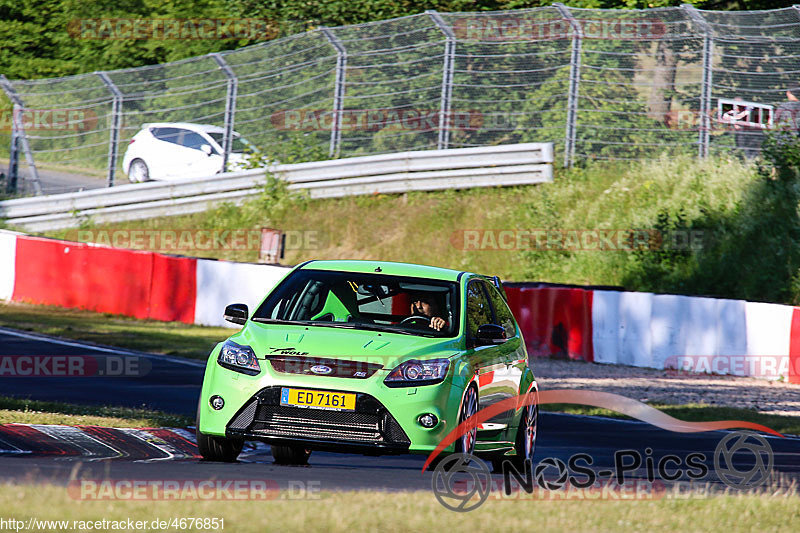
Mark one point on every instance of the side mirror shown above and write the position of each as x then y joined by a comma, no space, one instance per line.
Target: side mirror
236,313
490,334
206,149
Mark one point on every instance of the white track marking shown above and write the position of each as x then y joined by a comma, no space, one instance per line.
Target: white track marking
92,447
156,442
5,447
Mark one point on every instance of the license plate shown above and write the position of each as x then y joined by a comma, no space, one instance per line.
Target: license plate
337,401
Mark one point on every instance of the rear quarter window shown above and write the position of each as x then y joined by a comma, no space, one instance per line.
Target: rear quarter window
503,315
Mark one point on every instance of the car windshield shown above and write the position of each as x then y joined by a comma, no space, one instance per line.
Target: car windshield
372,302
239,146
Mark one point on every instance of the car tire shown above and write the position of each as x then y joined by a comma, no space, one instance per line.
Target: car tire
213,448
525,444
290,455
138,172
469,406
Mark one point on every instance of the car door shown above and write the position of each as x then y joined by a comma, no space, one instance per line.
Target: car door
201,164
507,380
169,159
489,360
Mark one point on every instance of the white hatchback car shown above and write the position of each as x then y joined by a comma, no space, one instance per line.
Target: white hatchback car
177,150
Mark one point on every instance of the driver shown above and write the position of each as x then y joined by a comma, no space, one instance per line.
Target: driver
425,305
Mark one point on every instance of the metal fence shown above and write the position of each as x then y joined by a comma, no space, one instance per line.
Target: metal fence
600,84
426,170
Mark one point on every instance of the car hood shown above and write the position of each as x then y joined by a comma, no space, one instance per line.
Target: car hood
387,349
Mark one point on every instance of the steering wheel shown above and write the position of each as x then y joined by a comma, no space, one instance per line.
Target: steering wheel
424,320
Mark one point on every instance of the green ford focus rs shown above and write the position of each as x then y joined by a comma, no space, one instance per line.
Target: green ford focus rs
369,357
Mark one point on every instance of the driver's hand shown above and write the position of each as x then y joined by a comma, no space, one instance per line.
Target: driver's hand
437,323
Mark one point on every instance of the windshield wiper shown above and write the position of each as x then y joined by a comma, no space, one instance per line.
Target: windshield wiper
264,320
328,324
390,329
344,325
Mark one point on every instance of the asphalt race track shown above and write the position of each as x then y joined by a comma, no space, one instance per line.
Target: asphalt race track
173,385
58,181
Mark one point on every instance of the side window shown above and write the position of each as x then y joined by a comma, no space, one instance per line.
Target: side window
503,315
478,310
193,140
169,135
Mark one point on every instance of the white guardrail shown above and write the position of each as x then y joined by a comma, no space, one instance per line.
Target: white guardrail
503,165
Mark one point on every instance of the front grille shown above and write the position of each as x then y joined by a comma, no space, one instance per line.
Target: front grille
337,368
317,424
370,423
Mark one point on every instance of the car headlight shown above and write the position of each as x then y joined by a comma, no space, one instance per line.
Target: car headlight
239,358
412,373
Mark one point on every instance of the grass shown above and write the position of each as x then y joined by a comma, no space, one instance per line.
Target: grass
424,226
24,411
170,338
788,425
419,511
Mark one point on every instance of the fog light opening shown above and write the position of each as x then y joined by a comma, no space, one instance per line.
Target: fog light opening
217,402
428,420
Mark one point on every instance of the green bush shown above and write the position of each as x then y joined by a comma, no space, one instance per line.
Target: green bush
750,250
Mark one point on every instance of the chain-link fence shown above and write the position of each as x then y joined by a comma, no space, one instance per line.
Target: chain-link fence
600,84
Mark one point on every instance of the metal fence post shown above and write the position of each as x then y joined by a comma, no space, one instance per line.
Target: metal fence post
338,91
230,107
18,133
447,79
705,93
116,121
574,85
13,162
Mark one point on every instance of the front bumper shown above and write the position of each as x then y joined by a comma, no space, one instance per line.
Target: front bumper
385,420
370,428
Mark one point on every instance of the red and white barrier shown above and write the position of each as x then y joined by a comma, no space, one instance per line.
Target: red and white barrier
660,330
668,331
637,329
8,253
128,282
220,283
107,280
554,320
